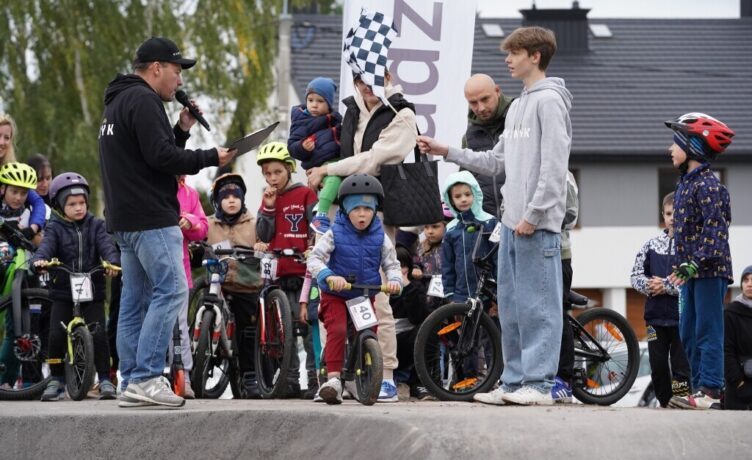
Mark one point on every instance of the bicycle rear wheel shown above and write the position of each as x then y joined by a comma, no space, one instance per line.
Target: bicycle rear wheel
79,371
369,372
607,357
452,362
26,371
274,345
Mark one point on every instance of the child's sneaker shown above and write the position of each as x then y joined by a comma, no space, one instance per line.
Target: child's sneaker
313,387
55,391
107,390
403,392
388,392
421,393
702,400
529,396
561,392
331,391
320,223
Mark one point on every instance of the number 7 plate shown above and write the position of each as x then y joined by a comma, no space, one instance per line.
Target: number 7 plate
361,312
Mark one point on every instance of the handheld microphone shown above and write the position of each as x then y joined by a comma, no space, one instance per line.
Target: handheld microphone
182,97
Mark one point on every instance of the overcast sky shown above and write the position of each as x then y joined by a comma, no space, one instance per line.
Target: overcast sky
620,8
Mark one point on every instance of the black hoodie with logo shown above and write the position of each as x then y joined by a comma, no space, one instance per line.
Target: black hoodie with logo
140,155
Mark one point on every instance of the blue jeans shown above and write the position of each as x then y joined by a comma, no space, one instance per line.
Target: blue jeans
530,308
154,290
701,329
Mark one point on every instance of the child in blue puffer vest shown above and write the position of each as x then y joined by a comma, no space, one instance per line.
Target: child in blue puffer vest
314,141
352,251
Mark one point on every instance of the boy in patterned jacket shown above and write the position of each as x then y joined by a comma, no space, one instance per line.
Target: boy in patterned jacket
702,263
650,277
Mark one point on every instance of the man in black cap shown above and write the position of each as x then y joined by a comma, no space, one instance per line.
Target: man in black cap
140,156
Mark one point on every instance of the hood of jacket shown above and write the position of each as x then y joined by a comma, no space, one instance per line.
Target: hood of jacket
741,306
501,110
554,84
120,84
464,177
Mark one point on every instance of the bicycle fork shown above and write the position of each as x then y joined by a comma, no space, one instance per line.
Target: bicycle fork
219,334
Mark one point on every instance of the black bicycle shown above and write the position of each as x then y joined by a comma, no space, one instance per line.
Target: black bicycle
363,362
458,347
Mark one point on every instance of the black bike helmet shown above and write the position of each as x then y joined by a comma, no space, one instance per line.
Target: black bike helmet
361,184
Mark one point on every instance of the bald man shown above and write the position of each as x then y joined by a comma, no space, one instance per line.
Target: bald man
485,122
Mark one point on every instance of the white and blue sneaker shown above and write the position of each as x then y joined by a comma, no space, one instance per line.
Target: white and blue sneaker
561,392
388,392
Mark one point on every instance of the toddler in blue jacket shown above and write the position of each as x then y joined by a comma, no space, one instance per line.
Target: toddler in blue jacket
314,141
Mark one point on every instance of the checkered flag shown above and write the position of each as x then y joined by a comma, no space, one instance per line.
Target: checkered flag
366,46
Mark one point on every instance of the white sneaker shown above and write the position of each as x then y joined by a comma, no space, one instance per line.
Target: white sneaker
154,391
529,396
331,391
495,397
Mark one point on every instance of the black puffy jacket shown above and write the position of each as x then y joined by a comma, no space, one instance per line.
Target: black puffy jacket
79,245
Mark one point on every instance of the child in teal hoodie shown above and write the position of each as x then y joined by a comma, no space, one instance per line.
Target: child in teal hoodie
465,199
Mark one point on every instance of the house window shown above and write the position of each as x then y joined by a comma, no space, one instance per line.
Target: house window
667,179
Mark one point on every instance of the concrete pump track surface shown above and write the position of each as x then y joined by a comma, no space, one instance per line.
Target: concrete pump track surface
411,430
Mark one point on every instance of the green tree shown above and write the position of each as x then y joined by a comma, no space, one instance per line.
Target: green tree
56,58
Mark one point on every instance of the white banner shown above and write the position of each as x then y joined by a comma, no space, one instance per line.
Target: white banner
431,58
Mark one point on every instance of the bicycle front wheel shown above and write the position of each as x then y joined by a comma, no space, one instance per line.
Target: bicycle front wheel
607,357
79,369
454,362
209,377
274,345
369,372
26,372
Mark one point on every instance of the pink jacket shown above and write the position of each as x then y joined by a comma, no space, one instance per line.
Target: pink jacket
190,209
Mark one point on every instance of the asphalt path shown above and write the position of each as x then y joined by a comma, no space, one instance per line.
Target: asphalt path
411,430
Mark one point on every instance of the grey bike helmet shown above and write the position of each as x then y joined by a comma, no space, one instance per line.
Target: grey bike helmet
65,185
360,184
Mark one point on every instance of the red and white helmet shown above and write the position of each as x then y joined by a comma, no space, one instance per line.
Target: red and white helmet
706,136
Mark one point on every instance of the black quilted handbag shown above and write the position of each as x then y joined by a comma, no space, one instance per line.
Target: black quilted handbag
411,193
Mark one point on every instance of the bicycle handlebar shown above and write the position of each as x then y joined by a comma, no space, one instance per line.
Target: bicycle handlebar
58,265
365,287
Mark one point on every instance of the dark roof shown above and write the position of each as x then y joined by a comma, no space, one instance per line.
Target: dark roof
651,70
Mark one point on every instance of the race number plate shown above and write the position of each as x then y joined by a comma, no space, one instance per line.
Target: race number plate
269,268
222,245
81,287
496,234
361,312
435,288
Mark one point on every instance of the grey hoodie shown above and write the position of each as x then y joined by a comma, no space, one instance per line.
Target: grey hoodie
533,151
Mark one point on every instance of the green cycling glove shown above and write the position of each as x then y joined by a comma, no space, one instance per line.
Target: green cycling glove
686,271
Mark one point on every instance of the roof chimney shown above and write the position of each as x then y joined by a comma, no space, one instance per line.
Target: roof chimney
569,25
745,8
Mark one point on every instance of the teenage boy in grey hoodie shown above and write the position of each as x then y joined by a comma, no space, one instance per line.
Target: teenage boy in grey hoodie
533,151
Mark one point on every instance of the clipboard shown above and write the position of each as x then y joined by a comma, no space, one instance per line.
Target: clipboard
253,140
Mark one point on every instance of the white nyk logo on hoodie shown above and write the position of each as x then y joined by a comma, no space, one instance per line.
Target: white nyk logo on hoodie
516,133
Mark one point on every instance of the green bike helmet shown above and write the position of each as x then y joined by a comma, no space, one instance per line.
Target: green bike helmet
19,175
276,151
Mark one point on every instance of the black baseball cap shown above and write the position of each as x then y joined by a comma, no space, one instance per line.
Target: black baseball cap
163,50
